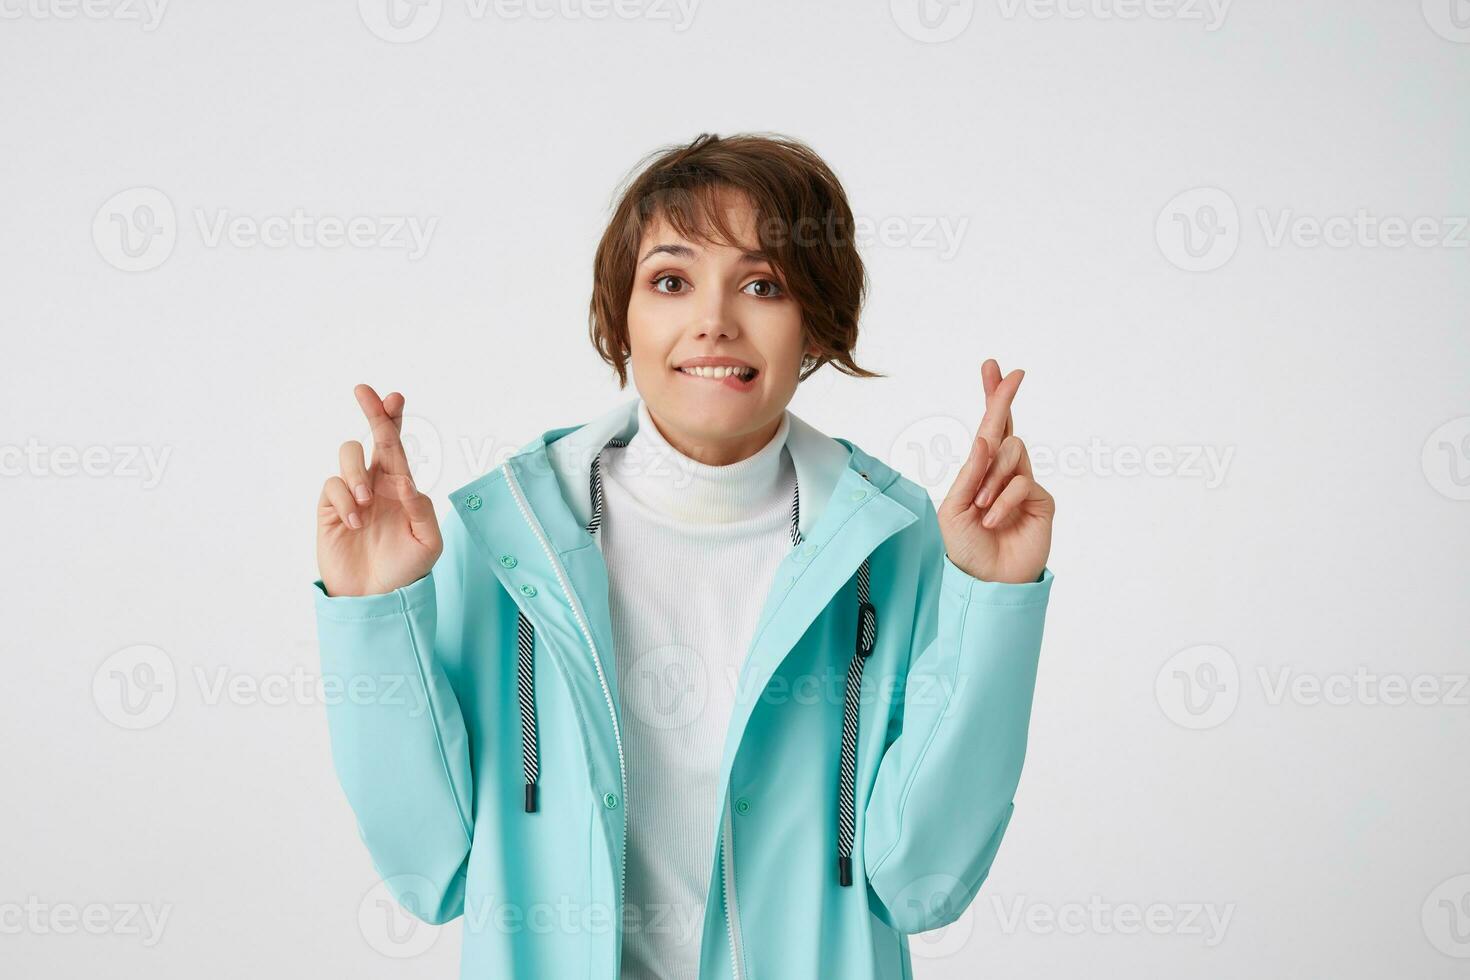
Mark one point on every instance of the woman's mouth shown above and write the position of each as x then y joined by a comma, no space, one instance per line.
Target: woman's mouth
730,376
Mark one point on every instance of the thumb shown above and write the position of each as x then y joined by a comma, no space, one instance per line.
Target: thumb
421,520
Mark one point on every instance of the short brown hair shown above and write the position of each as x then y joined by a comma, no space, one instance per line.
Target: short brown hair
802,218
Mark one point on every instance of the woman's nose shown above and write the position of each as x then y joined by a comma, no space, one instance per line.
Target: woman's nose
715,316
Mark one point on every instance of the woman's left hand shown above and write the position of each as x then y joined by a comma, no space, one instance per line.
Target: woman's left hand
996,519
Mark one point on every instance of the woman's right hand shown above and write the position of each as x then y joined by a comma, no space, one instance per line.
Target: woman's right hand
374,531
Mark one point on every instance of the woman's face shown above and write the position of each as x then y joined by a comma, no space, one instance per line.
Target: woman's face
697,303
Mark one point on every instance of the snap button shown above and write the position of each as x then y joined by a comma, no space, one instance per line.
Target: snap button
808,550
509,561
742,805
859,494
473,501
610,801
529,591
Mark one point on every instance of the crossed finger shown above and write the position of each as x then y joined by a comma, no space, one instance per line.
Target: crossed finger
990,442
997,424
388,454
1011,460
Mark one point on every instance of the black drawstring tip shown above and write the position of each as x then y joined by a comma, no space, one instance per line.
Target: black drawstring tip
844,870
530,797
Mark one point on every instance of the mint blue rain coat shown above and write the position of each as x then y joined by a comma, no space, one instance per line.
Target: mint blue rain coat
435,776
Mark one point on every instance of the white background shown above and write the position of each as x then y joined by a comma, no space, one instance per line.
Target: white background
1169,776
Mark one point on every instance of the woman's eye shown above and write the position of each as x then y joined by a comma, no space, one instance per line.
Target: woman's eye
668,284
764,288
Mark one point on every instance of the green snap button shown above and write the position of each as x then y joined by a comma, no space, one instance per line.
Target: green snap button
859,494
529,591
808,551
509,561
742,805
473,501
610,801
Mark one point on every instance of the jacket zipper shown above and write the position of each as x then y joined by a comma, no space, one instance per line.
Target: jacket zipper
561,578
727,881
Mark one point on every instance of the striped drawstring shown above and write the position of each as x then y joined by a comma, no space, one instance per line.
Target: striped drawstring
526,692
867,635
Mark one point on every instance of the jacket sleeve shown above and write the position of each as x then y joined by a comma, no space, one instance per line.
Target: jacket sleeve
943,795
399,741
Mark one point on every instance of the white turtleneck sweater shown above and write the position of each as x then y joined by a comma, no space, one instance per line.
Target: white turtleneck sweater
691,550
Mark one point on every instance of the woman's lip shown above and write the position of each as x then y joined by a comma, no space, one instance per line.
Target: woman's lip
755,372
730,381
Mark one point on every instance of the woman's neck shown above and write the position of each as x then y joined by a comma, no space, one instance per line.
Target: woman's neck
666,480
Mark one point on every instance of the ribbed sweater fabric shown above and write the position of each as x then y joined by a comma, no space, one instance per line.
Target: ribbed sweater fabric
691,550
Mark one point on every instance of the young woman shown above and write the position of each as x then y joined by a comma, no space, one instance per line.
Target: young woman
692,689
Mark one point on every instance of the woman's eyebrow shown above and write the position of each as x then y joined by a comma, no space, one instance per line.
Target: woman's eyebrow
677,251
685,252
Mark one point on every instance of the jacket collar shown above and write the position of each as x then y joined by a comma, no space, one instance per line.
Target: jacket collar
554,472
819,460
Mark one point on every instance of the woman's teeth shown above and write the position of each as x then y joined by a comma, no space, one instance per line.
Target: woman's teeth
723,371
